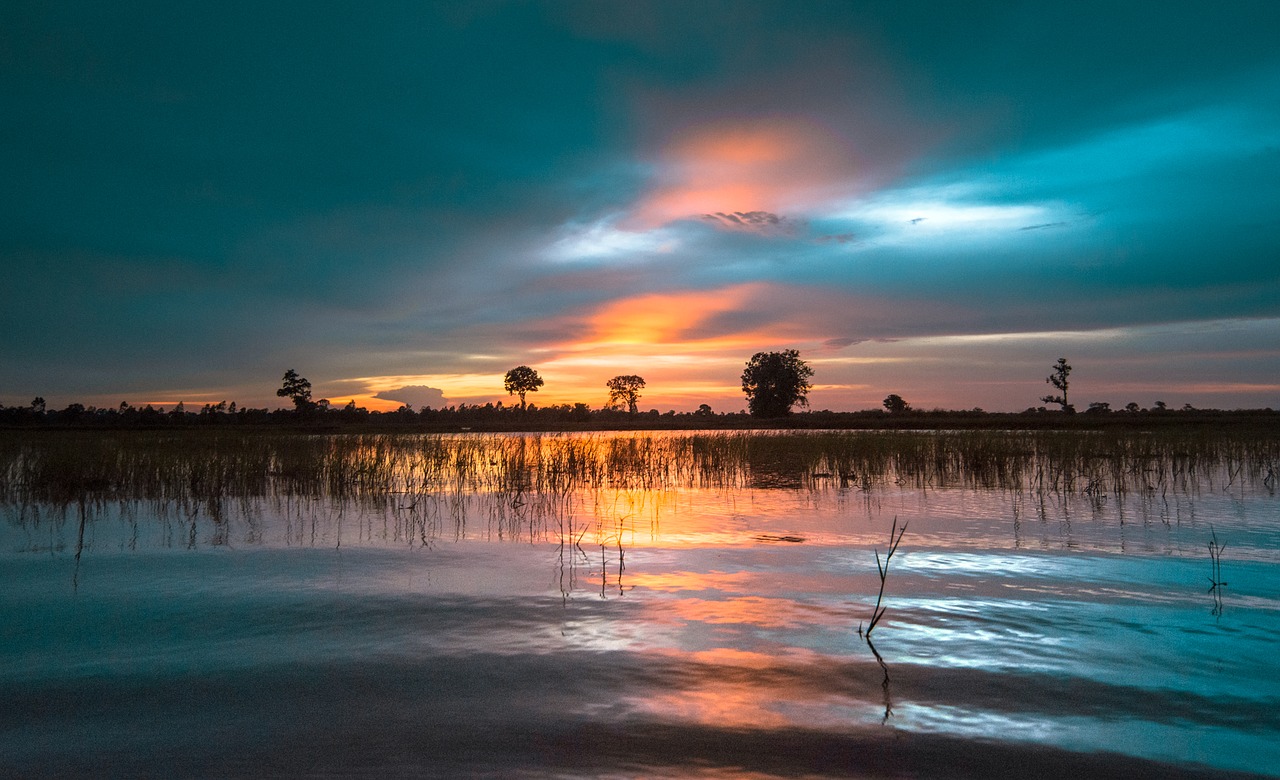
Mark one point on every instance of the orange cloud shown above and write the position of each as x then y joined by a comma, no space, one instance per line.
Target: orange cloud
665,318
769,165
689,345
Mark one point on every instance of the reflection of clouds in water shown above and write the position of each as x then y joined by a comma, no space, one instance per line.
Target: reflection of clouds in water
510,606
743,610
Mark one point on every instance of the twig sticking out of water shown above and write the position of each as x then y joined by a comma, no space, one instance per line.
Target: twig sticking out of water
1215,580
895,537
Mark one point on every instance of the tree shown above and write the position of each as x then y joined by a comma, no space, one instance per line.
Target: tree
625,389
521,380
776,381
1059,380
38,405
297,389
895,404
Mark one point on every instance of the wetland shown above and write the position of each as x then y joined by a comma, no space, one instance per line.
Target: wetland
640,604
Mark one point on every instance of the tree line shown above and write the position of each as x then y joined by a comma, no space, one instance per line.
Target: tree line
773,384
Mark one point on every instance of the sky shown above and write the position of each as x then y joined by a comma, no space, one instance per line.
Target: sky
402,201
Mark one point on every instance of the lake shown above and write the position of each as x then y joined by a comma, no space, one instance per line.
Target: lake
639,605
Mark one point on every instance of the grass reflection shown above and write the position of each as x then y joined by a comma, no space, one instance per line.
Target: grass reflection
218,488
205,465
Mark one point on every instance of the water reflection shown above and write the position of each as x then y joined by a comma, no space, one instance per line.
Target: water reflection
686,600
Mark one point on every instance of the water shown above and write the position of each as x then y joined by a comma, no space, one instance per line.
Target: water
674,632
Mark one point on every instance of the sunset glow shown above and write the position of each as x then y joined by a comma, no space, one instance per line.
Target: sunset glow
653,192
770,165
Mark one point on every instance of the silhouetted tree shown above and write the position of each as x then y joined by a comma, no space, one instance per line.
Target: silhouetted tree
774,382
625,389
895,404
521,380
38,405
704,410
1059,380
297,389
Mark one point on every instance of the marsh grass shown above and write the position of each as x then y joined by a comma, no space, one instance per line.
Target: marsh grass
428,483
877,612
1216,584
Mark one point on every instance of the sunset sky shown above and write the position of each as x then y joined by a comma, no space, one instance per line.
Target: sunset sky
402,201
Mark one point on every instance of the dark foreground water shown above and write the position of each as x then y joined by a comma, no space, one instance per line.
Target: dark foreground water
627,633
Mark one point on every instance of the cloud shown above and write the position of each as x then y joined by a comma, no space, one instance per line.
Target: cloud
604,240
765,222
744,172
837,238
714,184
841,343
415,395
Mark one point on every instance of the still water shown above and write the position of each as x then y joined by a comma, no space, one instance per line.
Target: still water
687,628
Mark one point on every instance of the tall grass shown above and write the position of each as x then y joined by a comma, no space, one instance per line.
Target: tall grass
430,477
65,467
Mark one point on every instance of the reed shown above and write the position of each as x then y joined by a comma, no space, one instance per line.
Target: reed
877,612
532,472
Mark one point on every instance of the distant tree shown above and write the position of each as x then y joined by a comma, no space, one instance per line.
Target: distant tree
38,405
212,410
625,389
895,404
774,382
1098,407
1132,407
1059,380
704,410
521,380
297,389
1161,406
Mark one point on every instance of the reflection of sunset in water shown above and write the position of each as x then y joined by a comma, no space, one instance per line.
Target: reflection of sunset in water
700,588
733,688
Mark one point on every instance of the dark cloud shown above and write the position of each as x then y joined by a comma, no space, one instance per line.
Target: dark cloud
759,221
